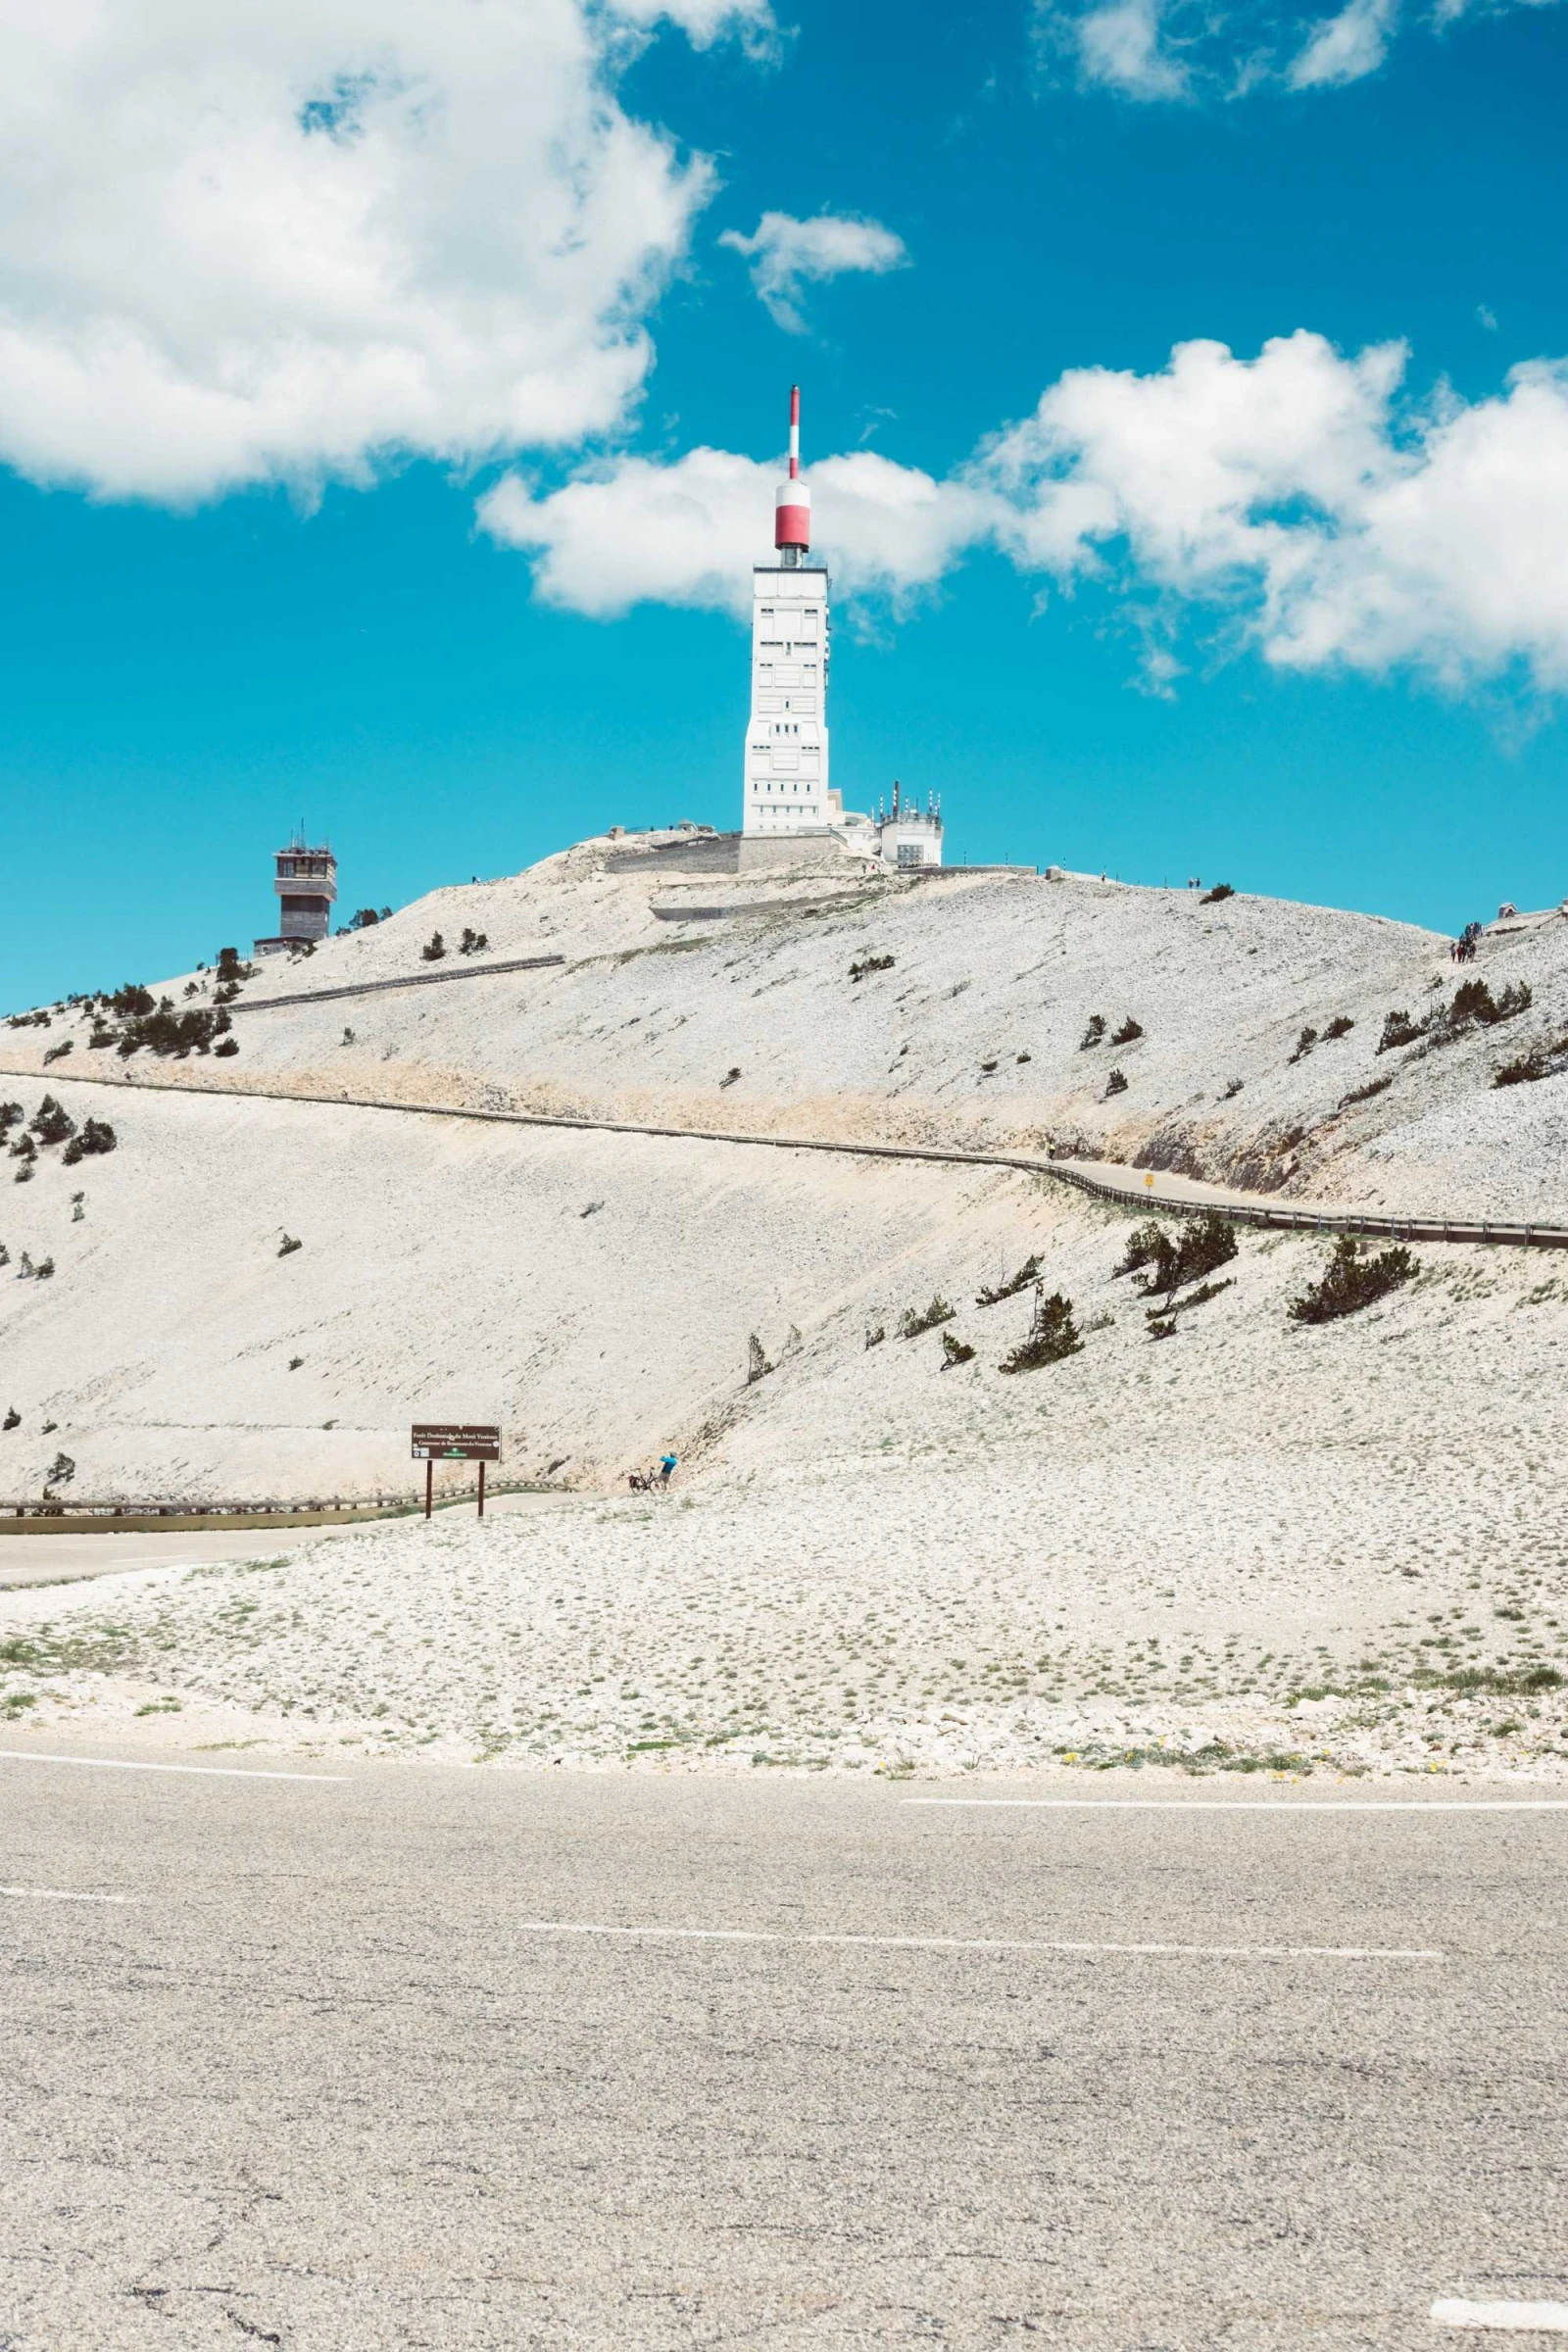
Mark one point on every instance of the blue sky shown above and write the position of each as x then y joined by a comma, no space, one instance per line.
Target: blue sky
362,466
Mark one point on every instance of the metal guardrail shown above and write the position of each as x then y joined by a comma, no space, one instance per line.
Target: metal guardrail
64,1514
371,988
1327,1220
1132,1195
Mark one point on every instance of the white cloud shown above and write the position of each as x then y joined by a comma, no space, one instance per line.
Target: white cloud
1292,496
274,240
688,533
786,252
1346,47
1120,48
1159,50
1293,503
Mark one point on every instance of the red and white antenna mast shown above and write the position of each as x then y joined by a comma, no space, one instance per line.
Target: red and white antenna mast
792,505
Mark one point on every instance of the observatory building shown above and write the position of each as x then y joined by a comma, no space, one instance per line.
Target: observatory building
787,788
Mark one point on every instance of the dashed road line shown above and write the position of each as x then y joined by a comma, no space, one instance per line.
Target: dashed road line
978,1943
1524,2319
1250,1804
223,1772
64,1894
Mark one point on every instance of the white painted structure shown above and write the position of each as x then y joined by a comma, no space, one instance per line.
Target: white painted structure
908,835
787,788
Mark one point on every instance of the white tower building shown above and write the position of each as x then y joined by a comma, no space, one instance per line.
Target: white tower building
786,788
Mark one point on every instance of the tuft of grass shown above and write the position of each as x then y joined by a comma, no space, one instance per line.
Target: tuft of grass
1510,1681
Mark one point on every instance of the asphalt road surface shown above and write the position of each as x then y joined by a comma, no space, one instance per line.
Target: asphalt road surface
418,2058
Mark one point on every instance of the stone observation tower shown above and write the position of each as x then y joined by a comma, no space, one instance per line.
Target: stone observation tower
786,789
306,885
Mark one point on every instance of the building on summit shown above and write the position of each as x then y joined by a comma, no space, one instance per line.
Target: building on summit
787,788
908,834
306,883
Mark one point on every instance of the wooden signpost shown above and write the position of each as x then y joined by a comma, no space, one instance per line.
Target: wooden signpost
454,1441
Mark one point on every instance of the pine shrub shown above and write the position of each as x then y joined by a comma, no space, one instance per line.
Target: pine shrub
1206,1244
1129,1030
1145,1244
1052,1336
953,1351
434,948
1399,1030
1474,1003
52,1123
1364,1094
96,1137
1027,1273
1351,1279
1115,1084
914,1320
1213,898
1524,1071
1094,1033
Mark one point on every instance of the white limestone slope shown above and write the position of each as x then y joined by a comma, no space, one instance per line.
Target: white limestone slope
884,1560
972,1035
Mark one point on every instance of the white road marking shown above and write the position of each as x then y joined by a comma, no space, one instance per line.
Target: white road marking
1527,2318
63,1894
982,1943
1254,1804
225,1772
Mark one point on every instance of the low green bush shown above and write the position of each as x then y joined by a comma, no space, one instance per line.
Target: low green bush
1027,1273
1052,1336
1351,1279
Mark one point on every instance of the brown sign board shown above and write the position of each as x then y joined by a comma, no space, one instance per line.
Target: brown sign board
456,1442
